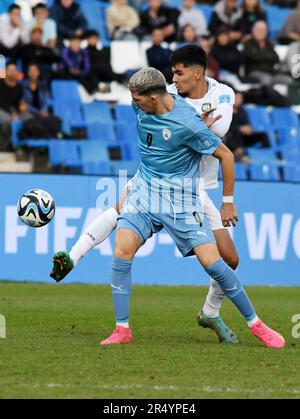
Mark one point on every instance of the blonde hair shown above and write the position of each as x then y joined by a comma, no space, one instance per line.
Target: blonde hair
147,80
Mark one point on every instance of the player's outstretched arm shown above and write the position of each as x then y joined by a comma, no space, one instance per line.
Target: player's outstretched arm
228,211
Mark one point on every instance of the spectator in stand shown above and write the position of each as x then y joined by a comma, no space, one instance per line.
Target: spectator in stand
76,65
41,18
240,134
36,52
158,17
290,31
13,32
261,59
159,57
122,20
69,19
12,105
190,15
212,68
187,36
290,35
252,12
36,93
227,13
100,60
226,52
36,96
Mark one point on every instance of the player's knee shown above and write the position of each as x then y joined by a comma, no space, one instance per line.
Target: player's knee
123,253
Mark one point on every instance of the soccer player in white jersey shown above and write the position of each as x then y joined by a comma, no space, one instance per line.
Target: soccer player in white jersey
155,200
214,101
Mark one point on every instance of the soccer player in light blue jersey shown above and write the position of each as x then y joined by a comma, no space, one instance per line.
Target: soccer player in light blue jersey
214,102
172,141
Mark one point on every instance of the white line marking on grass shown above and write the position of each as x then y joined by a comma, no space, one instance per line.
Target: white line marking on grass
205,389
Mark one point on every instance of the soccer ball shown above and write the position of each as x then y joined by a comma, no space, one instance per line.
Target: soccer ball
36,208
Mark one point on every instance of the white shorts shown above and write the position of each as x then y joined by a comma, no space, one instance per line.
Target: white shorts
211,212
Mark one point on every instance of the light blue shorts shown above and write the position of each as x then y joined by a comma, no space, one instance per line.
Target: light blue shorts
188,229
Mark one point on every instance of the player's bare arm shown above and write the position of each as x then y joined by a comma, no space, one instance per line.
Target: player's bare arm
228,211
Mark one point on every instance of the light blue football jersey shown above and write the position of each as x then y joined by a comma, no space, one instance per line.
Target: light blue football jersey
171,144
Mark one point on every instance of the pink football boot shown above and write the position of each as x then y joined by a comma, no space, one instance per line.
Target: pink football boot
269,337
119,335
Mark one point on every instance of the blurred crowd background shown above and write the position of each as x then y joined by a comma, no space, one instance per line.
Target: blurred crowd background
64,103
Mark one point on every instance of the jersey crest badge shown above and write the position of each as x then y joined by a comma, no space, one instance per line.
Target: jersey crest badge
206,107
167,134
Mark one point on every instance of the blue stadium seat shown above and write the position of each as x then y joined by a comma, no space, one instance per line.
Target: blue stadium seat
262,155
101,132
289,137
41,143
97,168
127,132
16,142
241,171
65,89
291,154
276,17
284,117
70,112
97,112
93,151
92,13
125,114
4,5
95,14
291,173
264,172
260,121
130,151
15,128
207,10
130,166
177,4
259,117
64,152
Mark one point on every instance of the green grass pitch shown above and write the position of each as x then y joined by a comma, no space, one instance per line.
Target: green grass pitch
53,332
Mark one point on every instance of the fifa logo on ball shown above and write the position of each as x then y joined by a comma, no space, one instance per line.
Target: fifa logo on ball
296,328
2,327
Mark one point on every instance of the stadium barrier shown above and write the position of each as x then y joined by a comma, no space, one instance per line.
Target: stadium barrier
267,236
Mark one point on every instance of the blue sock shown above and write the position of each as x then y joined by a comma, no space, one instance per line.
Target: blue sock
121,288
232,287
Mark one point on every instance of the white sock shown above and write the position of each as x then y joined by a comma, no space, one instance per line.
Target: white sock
96,233
123,324
213,300
252,322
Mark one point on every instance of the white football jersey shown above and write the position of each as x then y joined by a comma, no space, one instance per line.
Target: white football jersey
220,97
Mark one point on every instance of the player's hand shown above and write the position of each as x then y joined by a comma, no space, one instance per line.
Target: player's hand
208,120
229,215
